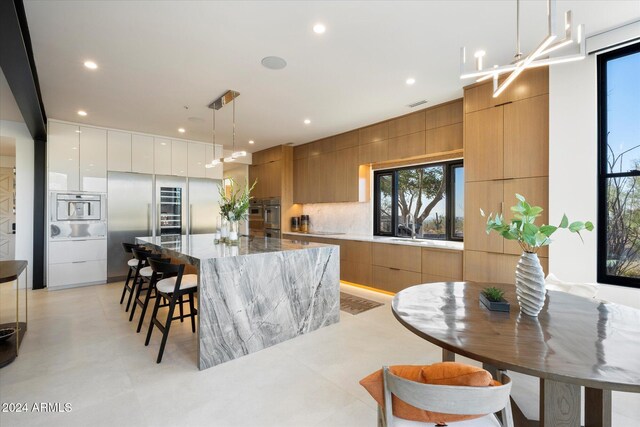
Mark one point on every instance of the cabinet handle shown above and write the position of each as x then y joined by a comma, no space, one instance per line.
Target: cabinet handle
501,207
78,262
393,268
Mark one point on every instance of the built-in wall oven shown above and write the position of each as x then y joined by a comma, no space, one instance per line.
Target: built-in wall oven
264,218
78,216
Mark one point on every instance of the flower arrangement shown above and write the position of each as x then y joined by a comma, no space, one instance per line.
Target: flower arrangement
522,228
234,200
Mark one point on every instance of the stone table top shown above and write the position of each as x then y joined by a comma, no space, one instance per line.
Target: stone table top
198,247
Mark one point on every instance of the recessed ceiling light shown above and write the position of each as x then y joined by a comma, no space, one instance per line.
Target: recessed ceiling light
307,121
319,28
251,141
274,63
82,113
411,81
90,65
181,130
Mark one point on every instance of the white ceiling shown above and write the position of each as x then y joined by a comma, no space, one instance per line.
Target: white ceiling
155,57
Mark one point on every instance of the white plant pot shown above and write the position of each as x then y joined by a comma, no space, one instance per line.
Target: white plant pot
530,289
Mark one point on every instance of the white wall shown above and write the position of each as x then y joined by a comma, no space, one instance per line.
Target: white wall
573,148
24,190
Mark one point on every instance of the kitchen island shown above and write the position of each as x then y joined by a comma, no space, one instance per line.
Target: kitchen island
257,294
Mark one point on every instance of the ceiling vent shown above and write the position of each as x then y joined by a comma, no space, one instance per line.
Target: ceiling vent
417,103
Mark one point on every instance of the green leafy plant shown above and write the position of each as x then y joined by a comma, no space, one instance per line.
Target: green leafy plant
493,294
234,202
522,228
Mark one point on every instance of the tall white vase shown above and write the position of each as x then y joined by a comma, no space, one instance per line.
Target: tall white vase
530,288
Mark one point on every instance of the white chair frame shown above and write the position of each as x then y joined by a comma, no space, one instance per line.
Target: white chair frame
459,400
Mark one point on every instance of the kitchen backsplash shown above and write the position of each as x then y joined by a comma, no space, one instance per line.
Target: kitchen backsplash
352,218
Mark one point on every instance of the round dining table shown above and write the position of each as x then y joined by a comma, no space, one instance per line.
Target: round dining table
574,342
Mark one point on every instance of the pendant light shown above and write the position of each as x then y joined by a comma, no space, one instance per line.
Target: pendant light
227,97
538,58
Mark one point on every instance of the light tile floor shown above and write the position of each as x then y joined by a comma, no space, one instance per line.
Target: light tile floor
80,349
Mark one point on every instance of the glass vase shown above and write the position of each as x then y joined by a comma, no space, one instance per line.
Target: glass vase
234,237
224,230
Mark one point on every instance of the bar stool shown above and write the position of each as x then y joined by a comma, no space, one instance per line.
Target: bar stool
147,274
172,288
142,277
133,265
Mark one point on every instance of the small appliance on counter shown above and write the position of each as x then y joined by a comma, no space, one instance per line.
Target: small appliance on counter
295,224
304,223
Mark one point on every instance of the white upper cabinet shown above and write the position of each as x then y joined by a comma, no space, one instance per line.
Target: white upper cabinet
179,156
118,151
142,154
213,152
197,159
64,156
162,156
93,159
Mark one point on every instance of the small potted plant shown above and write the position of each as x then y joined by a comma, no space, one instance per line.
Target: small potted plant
493,299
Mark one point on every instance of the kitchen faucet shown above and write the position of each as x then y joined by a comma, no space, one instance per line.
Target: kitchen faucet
411,222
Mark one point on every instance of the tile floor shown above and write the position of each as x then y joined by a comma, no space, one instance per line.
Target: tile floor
80,349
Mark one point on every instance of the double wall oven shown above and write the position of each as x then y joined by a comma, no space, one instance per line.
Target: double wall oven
264,218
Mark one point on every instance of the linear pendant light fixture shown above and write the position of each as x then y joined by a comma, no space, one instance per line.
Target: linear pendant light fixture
538,58
227,97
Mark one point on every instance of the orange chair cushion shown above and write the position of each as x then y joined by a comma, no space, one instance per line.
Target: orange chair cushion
445,373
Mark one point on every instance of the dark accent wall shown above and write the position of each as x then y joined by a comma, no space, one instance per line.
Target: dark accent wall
18,66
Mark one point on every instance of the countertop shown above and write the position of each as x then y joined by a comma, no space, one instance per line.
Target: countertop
201,246
422,243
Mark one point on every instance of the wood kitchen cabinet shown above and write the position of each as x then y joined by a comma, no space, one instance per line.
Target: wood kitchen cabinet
488,196
526,138
346,186
444,138
399,257
444,114
374,152
506,150
405,146
483,145
393,279
346,140
373,133
406,125
439,265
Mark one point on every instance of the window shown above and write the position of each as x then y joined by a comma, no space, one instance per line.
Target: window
427,200
619,167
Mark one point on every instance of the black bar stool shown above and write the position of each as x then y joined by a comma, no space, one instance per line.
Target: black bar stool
143,276
172,288
153,278
133,265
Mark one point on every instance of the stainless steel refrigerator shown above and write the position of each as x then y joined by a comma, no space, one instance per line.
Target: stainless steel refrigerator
148,205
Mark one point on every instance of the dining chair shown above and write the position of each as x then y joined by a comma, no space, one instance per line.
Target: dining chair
458,400
132,265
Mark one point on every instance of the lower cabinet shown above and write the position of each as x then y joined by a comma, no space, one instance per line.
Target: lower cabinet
77,262
393,279
392,267
494,268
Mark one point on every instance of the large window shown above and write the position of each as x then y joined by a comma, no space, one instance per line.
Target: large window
619,167
426,201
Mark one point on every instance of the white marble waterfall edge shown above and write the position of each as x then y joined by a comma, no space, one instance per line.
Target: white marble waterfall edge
248,303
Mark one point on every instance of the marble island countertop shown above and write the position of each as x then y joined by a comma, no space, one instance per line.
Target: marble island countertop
423,243
202,246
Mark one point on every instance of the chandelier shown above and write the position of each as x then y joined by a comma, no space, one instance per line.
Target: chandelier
227,97
540,56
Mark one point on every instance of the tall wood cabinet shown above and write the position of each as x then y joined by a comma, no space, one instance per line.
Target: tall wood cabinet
506,151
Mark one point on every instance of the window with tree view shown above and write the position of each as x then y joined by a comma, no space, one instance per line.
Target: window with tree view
619,172
424,201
